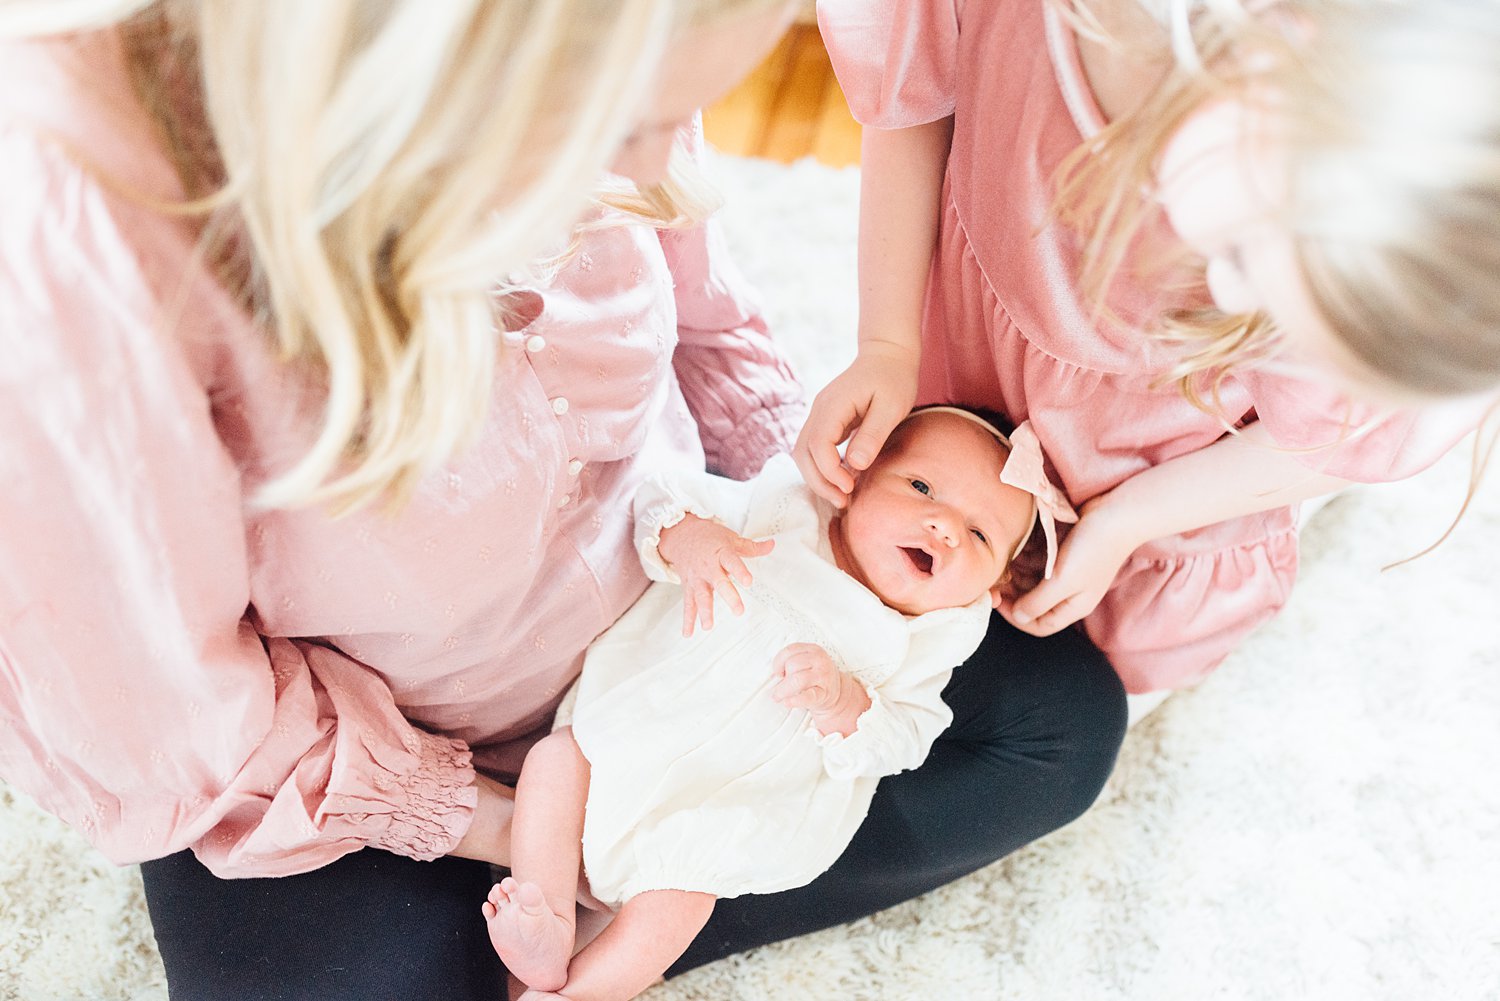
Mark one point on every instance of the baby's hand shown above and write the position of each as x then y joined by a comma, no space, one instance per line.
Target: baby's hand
869,398
809,679
708,557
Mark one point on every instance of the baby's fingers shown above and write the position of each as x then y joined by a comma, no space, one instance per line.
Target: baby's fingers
798,652
726,590
697,606
796,690
733,562
689,611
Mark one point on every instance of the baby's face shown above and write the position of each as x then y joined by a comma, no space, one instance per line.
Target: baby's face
929,524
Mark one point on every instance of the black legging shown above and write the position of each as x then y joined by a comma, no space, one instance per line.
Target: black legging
1036,727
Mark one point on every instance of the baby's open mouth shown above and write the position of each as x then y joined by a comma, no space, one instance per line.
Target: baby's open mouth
920,558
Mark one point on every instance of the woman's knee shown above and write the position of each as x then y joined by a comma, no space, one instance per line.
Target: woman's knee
1047,714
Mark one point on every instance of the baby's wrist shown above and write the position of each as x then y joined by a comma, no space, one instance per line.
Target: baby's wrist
843,716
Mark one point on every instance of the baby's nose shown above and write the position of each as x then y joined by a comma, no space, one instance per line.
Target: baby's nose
942,526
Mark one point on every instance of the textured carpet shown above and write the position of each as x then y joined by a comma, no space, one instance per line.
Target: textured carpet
1320,819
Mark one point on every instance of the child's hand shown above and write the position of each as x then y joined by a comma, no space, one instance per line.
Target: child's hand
1087,563
869,398
810,680
709,558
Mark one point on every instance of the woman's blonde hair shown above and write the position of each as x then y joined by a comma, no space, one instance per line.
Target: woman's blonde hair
388,163
1391,119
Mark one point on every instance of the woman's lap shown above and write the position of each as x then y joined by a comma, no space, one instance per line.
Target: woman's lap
1037,724
1036,727
367,927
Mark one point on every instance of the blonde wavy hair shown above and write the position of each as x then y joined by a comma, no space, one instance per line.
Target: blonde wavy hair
384,164
1392,165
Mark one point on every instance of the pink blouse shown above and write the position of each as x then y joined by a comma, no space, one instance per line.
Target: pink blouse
1007,326
276,689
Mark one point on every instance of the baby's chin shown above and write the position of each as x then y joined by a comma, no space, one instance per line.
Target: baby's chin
918,606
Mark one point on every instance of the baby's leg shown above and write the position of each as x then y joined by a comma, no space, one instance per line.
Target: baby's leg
531,917
651,931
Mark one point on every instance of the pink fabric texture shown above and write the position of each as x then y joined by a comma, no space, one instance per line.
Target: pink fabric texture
277,689
1008,328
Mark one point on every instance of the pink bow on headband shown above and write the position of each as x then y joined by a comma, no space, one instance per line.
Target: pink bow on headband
1025,470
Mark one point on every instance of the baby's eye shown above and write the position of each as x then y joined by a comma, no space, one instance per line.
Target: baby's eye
921,487
979,535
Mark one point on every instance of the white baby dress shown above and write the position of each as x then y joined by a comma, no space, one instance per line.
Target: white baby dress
700,780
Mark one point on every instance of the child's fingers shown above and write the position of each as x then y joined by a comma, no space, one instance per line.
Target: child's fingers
817,456
689,612
879,421
1043,623
1038,601
834,492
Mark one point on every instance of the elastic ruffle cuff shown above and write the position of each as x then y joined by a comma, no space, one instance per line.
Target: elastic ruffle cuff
843,756
657,519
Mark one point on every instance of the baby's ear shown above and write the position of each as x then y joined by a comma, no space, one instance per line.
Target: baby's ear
998,594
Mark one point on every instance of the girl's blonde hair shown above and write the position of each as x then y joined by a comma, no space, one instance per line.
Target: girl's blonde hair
387,163
1390,112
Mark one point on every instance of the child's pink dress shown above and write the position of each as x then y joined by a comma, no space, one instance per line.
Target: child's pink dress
1007,326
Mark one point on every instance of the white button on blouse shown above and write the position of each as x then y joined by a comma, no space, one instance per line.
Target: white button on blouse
559,405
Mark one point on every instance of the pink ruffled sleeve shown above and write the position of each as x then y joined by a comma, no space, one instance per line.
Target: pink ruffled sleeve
1332,435
137,700
896,60
739,386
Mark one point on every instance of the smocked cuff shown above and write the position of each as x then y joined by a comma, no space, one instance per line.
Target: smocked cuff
762,434
440,798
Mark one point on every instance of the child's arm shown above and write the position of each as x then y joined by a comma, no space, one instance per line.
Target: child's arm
1237,475
900,197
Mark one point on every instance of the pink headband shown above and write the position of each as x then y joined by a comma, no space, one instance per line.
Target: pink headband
1023,470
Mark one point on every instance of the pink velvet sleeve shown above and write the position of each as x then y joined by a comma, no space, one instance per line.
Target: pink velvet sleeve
896,60
737,383
1333,435
137,701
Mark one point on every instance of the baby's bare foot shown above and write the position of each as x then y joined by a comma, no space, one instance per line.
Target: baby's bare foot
534,943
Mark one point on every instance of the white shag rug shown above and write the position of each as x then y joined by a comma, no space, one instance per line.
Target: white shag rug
1320,819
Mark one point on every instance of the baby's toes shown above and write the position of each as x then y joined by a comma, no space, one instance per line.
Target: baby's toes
531,899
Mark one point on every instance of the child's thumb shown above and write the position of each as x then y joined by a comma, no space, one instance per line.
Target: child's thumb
869,439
